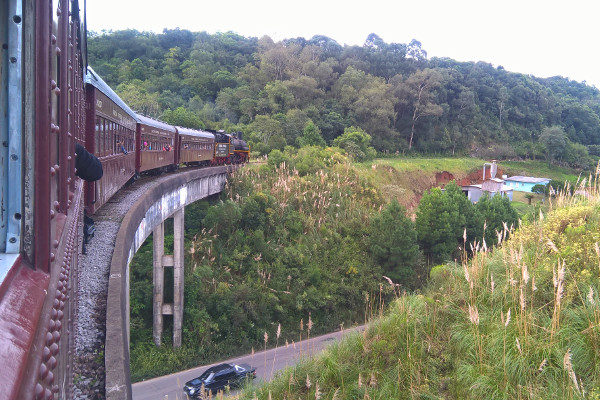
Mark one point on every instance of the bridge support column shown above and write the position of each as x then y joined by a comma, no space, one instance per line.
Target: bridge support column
161,261
178,275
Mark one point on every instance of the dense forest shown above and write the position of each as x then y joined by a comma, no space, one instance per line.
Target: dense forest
275,91
300,245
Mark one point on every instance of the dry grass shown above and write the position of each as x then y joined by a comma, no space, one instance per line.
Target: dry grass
518,321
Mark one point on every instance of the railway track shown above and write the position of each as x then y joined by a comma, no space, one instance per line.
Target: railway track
90,299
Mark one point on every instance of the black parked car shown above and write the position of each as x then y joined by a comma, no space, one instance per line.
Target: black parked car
218,377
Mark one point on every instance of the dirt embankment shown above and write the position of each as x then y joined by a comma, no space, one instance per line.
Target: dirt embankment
473,178
408,187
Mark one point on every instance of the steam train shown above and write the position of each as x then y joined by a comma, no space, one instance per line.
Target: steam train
129,144
51,105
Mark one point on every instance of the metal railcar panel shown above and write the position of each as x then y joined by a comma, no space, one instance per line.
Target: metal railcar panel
35,314
110,135
157,141
196,146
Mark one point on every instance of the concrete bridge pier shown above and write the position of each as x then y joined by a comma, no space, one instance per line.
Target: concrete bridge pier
162,261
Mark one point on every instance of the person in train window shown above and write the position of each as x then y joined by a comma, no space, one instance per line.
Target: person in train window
88,166
121,147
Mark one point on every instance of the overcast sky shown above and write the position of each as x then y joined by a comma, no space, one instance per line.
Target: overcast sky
540,37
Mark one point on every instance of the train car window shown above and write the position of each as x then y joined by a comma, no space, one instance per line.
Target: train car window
101,138
97,135
111,138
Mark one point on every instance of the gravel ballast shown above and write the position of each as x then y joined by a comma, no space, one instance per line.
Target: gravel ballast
92,288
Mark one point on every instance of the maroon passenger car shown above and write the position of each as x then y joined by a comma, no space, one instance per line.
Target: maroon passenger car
195,147
110,135
156,141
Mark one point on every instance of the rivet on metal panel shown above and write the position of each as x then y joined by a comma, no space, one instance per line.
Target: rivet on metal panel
46,354
49,380
54,349
52,363
53,39
52,214
57,91
52,257
55,389
51,325
52,171
58,51
39,391
43,371
55,243
56,336
56,204
58,325
58,12
60,315
48,394
53,84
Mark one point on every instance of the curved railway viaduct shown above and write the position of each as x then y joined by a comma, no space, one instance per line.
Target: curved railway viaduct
163,198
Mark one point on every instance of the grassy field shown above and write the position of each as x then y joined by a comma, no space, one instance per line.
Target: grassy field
406,179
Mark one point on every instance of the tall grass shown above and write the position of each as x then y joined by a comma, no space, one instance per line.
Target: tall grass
518,321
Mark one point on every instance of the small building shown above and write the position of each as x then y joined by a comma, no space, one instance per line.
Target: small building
492,185
474,192
525,183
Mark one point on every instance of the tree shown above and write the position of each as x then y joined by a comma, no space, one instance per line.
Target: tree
393,244
137,97
496,211
356,143
264,127
502,99
183,117
368,99
442,218
555,140
311,136
418,95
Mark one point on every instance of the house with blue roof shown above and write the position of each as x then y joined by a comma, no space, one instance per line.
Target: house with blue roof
525,183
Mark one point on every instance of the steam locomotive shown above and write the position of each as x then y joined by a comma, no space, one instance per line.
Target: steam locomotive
51,106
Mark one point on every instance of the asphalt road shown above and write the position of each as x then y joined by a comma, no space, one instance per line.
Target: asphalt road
170,387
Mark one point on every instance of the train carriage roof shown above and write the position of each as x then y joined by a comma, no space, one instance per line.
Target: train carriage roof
92,78
155,123
194,132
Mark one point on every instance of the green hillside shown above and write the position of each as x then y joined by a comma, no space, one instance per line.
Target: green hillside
407,103
518,321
